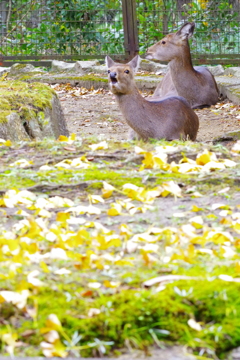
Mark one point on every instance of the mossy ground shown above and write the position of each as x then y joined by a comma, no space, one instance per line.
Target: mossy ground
129,312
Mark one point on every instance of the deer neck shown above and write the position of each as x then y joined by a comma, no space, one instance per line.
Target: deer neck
181,66
131,106
132,95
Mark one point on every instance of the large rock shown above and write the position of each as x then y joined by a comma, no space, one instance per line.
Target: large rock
100,69
62,66
19,69
153,66
89,65
232,71
216,70
30,111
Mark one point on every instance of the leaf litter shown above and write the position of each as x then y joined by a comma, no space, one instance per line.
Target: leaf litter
155,223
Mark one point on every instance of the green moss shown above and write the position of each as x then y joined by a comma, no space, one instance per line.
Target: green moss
93,78
3,116
28,75
131,314
112,176
25,99
19,66
82,78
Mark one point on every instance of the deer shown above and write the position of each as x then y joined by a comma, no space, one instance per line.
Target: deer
170,118
196,84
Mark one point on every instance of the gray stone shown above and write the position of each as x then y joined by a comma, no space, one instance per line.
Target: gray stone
13,129
229,136
62,66
151,66
232,71
42,119
147,82
89,65
235,135
17,69
4,70
216,70
162,69
100,69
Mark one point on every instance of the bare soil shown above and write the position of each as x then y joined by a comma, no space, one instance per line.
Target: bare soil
95,113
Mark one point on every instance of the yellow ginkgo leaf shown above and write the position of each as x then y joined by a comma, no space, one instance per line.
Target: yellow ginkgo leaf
5,142
44,267
205,157
22,163
107,190
148,160
56,349
51,336
94,199
10,340
195,208
72,137
132,191
220,237
111,284
53,322
115,210
171,188
194,325
63,138
62,217
139,150
100,146
17,298
213,165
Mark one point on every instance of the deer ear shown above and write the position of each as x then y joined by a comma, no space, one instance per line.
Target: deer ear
134,63
186,31
109,62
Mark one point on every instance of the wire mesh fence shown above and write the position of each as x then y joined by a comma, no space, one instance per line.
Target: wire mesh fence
217,32
77,29
49,27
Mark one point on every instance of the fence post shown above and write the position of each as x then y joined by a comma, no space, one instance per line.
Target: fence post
130,28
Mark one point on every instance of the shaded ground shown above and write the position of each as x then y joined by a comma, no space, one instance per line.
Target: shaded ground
95,113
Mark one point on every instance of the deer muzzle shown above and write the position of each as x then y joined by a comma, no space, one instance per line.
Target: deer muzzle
113,77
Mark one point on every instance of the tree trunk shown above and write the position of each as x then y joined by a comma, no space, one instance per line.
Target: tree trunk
3,18
180,3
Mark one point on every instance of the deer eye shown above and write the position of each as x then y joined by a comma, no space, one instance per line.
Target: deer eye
163,42
126,71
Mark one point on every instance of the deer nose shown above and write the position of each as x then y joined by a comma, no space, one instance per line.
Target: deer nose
113,75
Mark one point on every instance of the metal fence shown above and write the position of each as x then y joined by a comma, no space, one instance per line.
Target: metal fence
40,30
217,33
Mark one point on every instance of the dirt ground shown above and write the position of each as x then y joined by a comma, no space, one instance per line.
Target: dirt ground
95,113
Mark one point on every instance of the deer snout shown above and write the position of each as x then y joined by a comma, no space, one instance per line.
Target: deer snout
148,54
113,76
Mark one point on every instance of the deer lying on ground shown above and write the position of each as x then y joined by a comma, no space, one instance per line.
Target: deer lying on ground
169,119
196,84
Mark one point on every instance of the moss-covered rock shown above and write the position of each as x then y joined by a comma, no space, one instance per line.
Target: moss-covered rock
29,111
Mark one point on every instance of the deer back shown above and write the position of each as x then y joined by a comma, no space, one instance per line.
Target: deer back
196,84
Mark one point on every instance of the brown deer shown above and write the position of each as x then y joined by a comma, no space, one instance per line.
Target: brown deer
196,84
169,119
